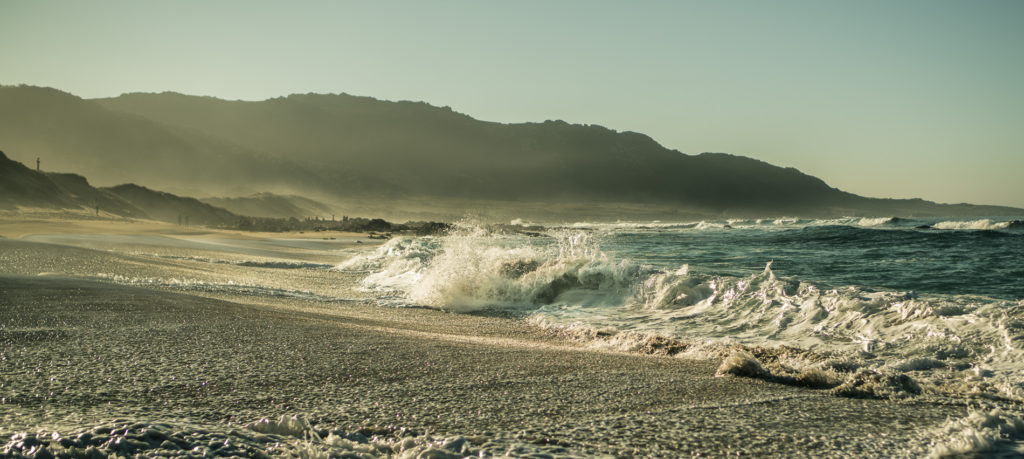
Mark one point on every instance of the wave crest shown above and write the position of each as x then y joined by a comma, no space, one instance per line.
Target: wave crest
564,278
984,224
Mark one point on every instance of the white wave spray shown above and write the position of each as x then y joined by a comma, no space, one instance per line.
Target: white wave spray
954,343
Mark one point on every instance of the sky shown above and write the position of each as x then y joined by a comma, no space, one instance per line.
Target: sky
896,98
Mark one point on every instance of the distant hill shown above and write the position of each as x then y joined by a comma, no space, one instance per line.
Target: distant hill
21,186
169,208
273,205
365,152
424,150
111,147
78,189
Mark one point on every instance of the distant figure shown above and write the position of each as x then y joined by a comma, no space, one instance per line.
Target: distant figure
37,164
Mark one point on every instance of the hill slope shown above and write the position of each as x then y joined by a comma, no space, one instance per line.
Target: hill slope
377,153
170,208
273,205
21,186
430,151
111,147
433,151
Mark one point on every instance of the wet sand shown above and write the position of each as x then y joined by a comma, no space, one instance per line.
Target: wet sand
81,352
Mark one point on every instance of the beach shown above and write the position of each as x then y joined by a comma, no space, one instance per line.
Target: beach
198,337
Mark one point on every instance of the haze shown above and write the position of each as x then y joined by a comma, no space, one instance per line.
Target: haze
907,99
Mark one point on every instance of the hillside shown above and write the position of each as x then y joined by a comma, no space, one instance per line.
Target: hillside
78,189
109,147
273,205
361,153
21,186
432,151
170,208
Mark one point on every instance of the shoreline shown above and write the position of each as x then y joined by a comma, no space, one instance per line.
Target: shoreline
19,224
86,352
139,354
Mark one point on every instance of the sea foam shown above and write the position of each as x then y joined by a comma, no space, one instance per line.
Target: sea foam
566,282
984,224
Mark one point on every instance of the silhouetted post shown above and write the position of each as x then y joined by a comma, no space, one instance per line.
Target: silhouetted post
37,164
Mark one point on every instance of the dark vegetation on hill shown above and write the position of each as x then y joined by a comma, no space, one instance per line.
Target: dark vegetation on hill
337,147
20,185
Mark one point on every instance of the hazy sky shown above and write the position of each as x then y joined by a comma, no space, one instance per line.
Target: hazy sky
882,98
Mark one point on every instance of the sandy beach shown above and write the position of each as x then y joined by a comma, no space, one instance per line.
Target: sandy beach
135,338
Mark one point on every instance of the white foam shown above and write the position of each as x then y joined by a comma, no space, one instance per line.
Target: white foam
995,433
785,221
567,281
869,222
704,225
985,224
288,436
199,285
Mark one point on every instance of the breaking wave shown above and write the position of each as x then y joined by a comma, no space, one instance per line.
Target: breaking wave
994,433
985,224
879,221
566,282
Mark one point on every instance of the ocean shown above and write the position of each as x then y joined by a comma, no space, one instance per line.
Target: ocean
939,302
518,339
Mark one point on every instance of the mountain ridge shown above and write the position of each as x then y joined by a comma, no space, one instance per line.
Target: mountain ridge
354,149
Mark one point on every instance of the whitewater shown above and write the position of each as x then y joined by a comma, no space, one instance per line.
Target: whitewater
886,307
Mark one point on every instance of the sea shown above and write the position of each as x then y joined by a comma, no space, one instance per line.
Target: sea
922,311
888,307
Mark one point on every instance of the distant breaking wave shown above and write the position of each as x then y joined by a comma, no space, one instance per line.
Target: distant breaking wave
790,223
985,224
879,221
